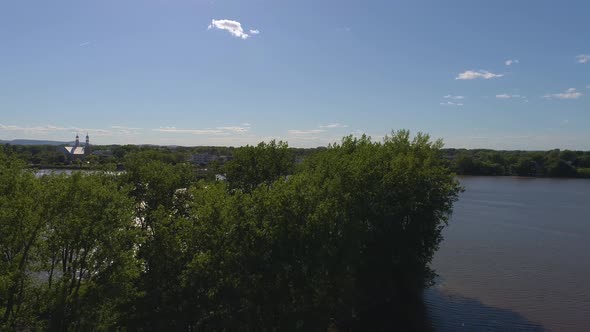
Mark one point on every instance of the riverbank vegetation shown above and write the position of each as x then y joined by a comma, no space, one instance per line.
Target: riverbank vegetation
552,163
336,241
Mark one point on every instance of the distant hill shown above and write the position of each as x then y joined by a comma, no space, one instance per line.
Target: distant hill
33,142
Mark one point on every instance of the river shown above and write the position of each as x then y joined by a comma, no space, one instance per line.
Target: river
516,257
42,172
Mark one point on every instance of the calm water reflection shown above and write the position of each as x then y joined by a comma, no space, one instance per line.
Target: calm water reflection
516,256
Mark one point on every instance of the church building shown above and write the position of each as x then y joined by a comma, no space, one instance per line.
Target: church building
77,151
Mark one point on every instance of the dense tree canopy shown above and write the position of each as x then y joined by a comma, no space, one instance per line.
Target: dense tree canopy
67,246
329,243
553,163
261,164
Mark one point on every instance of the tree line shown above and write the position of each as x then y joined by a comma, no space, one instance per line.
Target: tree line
553,163
339,241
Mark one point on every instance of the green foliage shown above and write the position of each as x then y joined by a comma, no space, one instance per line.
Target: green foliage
67,242
345,235
20,229
351,231
89,244
553,163
584,173
261,164
525,167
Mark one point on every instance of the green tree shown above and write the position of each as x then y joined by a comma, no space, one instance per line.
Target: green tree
560,168
255,165
349,233
89,260
21,227
525,167
160,191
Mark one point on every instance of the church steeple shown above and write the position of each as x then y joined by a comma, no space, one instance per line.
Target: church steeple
77,140
87,145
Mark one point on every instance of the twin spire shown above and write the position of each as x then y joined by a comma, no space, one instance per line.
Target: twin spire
78,140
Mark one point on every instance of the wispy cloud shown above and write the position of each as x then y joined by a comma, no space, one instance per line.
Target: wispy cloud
450,103
125,128
472,75
571,93
233,27
227,130
52,129
334,125
454,97
583,58
318,130
234,129
511,62
298,132
84,44
509,96
175,130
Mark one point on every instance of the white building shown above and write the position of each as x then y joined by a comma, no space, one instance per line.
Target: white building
77,151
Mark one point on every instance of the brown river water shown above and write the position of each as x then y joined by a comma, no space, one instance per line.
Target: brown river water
516,257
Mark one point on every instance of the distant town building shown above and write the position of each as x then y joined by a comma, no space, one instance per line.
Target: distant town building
203,158
77,151
206,158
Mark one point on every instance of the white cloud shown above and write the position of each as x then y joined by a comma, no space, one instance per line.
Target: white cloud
175,130
228,130
320,129
43,130
450,103
471,75
583,58
334,125
109,135
298,132
125,128
234,129
84,44
233,27
510,62
570,93
508,96
454,97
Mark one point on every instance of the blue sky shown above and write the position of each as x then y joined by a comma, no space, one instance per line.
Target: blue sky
494,74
